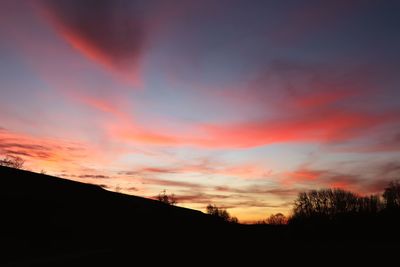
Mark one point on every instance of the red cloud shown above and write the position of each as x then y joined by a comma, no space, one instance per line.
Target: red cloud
106,32
324,126
319,114
328,126
298,102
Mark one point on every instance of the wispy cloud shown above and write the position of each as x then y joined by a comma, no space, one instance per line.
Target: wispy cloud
260,190
95,176
200,198
172,183
205,167
38,148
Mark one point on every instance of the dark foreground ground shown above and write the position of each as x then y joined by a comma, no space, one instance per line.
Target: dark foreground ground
48,221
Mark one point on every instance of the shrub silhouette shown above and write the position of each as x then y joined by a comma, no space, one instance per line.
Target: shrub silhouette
13,162
167,199
221,213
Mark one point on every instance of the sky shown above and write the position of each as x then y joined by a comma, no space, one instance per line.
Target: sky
242,104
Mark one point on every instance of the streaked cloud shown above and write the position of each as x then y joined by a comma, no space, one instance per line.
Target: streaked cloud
98,176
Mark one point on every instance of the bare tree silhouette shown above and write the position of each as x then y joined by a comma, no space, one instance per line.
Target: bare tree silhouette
167,199
277,219
221,213
391,195
12,161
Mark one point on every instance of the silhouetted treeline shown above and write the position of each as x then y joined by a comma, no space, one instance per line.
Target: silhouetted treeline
331,203
334,213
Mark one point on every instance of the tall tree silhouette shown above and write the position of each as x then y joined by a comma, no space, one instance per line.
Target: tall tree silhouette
391,195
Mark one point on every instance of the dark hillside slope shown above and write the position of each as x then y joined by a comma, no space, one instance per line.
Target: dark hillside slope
50,214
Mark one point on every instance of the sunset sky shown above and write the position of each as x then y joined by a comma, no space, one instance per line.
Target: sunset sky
237,103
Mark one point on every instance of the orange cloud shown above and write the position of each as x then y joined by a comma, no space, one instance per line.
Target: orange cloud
139,135
49,154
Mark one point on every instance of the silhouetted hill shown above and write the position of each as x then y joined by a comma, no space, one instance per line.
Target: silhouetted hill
59,199
44,215
49,221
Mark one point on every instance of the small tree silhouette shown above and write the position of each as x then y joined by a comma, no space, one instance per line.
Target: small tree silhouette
167,199
277,219
12,161
221,213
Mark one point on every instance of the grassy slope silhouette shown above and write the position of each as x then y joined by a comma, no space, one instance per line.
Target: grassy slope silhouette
49,220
